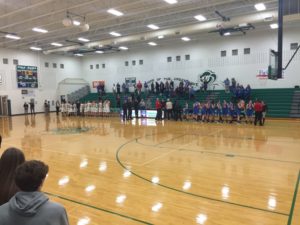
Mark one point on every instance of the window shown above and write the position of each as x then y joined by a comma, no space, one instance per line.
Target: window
169,59
247,51
133,62
178,58
141,62
97,66
62,66
126,63
187,57
5,61
54,65
235,52
16,62
103,66
294,46
91,67
223,53
46,64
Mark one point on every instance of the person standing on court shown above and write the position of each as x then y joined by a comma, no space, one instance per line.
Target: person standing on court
9,161
169,107
57,106
124,108
264,112
25,108
158,107
31,104
30,205
258,108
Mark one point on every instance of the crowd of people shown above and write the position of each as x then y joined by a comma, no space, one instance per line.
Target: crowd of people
210,111
21,198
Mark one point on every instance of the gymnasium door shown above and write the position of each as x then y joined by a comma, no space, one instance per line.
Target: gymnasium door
3,106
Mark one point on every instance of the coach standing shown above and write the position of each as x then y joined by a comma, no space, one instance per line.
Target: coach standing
258,108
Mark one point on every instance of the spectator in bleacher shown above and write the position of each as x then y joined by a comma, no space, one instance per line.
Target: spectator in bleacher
205,85
191,92
118,88
9,161
30,205
233,84
139,87
162,87
78,108
157,87
152,87
124,88
227,84
146,88
247,93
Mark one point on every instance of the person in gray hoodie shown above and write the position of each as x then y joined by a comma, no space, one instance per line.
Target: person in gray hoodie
30,206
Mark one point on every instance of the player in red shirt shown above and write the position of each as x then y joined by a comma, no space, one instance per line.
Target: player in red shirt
258,108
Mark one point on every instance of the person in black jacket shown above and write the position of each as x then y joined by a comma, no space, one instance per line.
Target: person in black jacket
177,111
129,107
136,108
264,111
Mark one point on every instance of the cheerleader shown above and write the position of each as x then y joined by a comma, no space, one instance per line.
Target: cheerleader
225,112
204,112
240,110
218,111
196,111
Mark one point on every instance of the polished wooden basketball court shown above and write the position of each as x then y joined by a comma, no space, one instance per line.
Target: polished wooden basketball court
105,171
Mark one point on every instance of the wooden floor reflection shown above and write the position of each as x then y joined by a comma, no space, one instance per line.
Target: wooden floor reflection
143,172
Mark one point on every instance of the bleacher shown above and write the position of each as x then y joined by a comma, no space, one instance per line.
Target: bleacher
279,100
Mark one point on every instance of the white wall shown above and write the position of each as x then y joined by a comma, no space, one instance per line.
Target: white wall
48,78
204,55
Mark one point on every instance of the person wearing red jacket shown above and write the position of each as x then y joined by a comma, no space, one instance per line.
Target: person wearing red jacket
158,107
139,87
258,108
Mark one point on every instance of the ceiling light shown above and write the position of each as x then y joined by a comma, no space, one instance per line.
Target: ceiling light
160,36
260,6
274,26
200,18
171,1
78,54
185,39
83,39
40,30
115,12
227,34
76,23
12,36
153,27
152,43
56,44
35,48
123,48
67,22
115,34
99,52
85,27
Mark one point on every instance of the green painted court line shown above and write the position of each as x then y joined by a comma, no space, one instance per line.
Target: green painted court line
294,200
188,193
99,209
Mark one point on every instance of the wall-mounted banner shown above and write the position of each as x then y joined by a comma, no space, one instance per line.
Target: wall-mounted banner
209,76
262,74
27,76
131,81
97,83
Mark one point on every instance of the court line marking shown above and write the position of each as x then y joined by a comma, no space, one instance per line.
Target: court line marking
157,157
294,200
98,208
189,193
219,153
